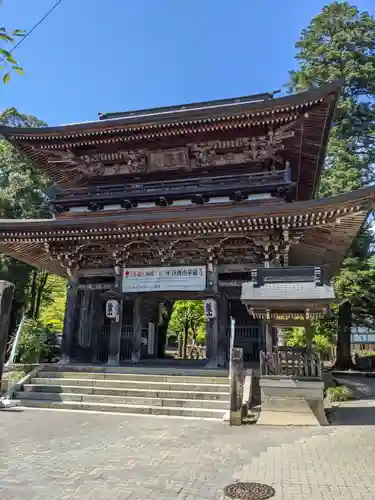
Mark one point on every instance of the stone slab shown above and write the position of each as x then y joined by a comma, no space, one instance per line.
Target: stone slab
287,401
133,409
97,457
111,391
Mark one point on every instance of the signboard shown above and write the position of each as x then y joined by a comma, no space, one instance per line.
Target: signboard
164,279
362,335
366,338
112,309
210,308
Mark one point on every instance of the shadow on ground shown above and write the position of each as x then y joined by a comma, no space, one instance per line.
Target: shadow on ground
361,410
360,413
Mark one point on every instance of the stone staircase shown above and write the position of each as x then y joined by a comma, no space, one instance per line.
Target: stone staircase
197,395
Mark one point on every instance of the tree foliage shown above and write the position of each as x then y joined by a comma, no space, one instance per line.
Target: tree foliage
339,43
22,195
187,314
296,337
53,301
38,342
187,319
7,61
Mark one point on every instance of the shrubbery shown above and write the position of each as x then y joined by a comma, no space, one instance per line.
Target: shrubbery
38,343
296,337
339,393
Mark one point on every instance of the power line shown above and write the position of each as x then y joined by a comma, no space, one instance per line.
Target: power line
34,27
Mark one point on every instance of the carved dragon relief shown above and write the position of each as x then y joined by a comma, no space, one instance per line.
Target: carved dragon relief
203,154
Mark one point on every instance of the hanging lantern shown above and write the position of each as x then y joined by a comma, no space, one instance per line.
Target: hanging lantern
112,309
210,308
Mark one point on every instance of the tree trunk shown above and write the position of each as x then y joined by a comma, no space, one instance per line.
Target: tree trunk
180,345
163,329
30,312
39,294
186,333
344,358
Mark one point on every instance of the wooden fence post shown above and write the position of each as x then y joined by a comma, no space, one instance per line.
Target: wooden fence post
236,386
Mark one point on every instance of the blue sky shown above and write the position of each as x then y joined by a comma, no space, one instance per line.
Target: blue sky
94,56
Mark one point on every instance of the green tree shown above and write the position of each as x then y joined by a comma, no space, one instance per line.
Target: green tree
37,343
339,43
7,61
52,308
296,337
22,195
187,317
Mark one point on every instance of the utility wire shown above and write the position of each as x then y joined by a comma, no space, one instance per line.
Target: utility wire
34,28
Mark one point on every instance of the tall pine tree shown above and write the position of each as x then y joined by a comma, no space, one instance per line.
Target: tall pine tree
339,43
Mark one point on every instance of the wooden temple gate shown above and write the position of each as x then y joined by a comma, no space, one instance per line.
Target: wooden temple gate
92,329
226,185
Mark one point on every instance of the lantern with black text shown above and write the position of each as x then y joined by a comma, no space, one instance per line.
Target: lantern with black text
210,308
112,309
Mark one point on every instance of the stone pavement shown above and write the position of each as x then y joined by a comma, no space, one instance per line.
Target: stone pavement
66,455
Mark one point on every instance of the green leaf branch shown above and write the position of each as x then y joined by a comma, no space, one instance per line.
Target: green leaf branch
7,61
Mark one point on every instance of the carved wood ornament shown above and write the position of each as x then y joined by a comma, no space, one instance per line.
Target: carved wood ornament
193,156
258,249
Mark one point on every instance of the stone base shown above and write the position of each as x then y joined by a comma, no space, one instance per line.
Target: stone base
4,385
286,401
113,361
64,360
212,363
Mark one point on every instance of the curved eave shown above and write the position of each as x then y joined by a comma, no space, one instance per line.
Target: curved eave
186,117
34,254
309,113
327,227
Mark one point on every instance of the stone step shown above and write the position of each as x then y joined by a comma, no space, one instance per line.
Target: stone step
127,392
185,379
203,413
127,400
134,384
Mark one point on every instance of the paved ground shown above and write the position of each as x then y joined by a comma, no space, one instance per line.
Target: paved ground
61,455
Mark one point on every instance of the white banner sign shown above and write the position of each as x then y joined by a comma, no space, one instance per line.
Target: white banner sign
164,279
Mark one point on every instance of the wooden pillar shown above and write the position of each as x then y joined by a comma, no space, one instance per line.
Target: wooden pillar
268,333
69,320
212,325
6,298
116,326
223,345
308,335
96,323
137,329
84,327
115,339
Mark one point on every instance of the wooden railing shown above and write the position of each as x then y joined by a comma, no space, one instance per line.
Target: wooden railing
218,185
291,362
